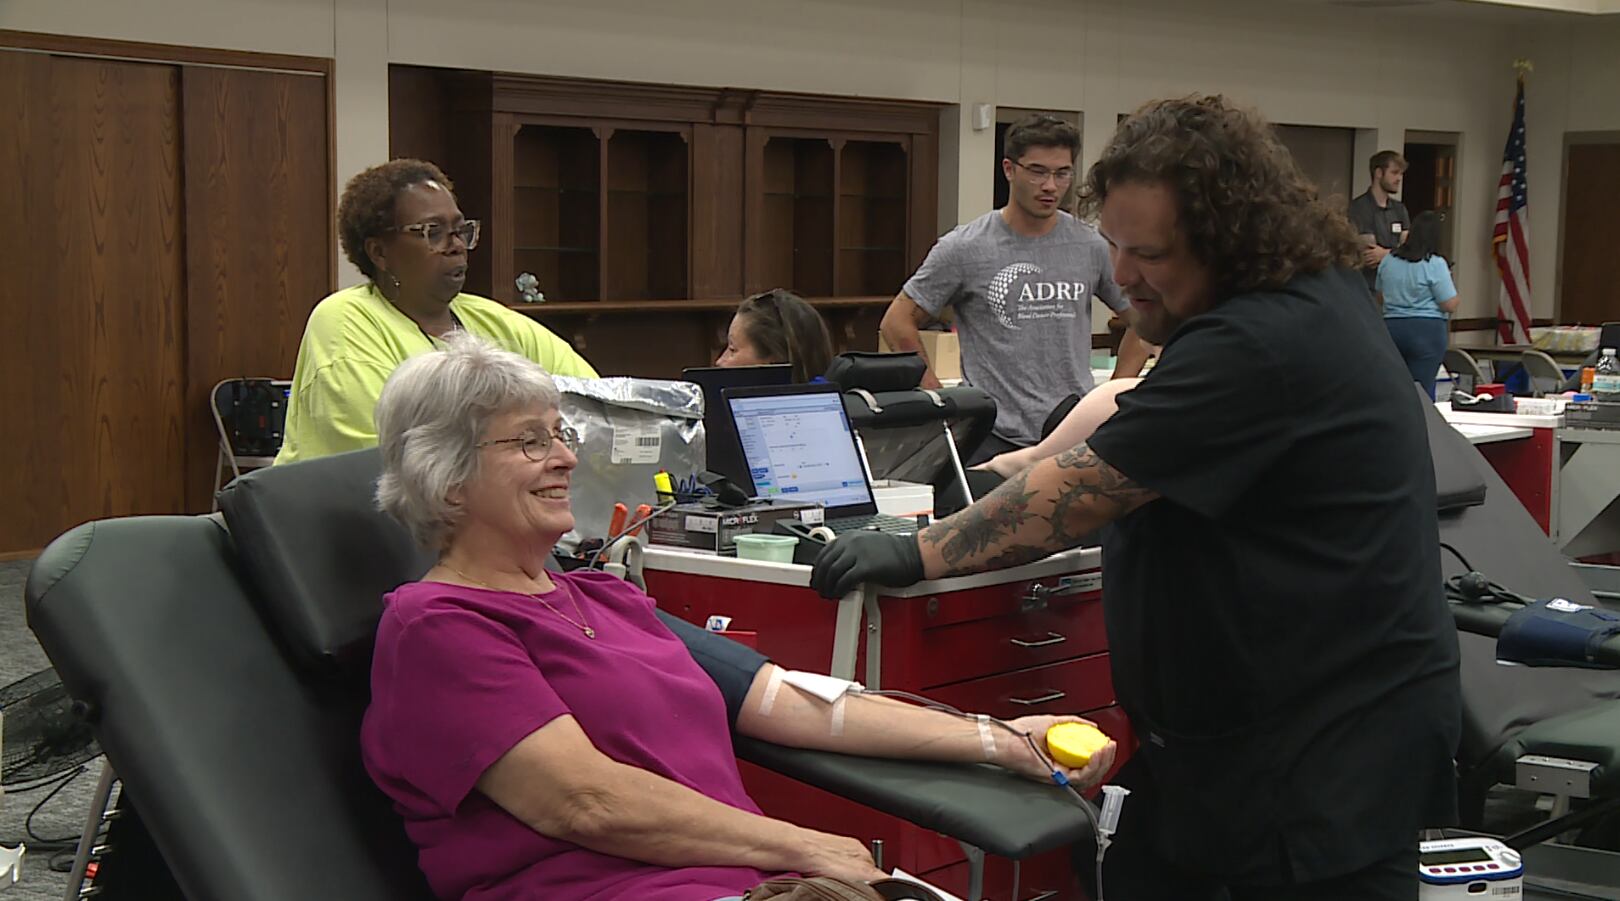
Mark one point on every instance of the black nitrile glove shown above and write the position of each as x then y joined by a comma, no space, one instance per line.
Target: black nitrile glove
856,557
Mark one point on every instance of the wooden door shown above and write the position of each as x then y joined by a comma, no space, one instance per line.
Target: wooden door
259,235
1589,269
92,378
172,218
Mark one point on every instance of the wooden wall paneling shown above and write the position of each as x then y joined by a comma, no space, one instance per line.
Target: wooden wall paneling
604,134
646,344
837,216
625,219
130,51
257,251
780,224
921,228
474,159
815,226
419,116
717,210
756,272
538,95
669,235
771,109
491,177
91,388
1589,269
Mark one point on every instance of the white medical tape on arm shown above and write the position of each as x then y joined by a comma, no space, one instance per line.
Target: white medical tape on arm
986,738
771,688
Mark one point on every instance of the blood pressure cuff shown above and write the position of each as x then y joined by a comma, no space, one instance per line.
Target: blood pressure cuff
1556,632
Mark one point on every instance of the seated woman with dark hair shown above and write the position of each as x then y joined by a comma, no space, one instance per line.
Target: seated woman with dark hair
778,327
1418,296
546,735
400,226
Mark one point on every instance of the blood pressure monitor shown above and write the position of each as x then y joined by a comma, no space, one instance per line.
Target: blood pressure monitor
1469,868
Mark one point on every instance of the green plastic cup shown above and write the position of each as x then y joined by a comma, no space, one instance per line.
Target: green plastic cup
774,548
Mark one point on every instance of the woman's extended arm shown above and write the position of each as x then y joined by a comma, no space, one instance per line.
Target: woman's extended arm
559,784
1075,429
875,726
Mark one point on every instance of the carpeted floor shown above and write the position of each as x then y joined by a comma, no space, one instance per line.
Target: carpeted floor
63,815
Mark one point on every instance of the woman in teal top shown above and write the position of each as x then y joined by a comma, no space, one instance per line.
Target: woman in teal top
1415,289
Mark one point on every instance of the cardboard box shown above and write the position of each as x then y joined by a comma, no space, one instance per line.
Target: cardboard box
943,351
714,530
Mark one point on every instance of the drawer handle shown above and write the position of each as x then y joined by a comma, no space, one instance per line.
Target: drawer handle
1038,594
1042,896
1051,638
1047,698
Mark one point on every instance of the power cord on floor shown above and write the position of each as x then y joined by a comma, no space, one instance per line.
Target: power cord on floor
61,850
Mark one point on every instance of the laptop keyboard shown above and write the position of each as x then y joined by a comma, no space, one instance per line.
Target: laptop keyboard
878,522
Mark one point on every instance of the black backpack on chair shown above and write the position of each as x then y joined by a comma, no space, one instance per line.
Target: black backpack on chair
254,414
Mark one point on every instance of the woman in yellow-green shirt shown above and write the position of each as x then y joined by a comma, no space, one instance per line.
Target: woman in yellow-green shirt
402,229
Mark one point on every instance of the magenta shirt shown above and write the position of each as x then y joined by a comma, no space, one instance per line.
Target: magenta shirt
461,675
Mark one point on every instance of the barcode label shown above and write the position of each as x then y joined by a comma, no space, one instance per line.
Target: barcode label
636,437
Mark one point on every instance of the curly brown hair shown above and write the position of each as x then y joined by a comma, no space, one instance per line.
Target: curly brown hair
1248,213
367,208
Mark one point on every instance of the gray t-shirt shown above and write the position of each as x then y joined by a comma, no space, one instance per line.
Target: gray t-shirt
1023,311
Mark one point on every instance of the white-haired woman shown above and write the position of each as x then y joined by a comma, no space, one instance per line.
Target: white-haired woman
549,736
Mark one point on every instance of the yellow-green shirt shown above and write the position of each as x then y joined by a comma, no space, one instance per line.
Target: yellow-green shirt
354,340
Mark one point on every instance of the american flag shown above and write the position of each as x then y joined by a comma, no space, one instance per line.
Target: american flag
1510,238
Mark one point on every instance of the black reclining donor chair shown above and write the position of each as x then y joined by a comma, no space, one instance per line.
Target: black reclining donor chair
227,674
1551,730
914,434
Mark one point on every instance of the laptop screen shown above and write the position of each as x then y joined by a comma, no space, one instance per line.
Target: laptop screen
799,447
723,454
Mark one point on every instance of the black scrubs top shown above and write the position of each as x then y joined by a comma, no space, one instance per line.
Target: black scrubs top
1278,631
1385,223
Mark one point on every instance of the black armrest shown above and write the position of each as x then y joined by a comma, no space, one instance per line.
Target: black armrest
987,807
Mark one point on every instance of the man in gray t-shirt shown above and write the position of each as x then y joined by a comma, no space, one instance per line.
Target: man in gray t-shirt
1021,280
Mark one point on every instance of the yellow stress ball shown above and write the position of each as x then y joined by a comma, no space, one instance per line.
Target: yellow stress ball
1072,744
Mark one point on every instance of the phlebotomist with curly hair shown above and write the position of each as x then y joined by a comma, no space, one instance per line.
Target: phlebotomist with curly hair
1273,600
400,226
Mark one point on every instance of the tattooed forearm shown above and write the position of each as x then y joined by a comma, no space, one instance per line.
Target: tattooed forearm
1106,492
1044,509
970,532
1016,555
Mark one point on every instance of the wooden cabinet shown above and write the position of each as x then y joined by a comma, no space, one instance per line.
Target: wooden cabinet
646,212
556,208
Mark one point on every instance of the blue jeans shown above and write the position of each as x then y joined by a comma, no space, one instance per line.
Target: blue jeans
1422,343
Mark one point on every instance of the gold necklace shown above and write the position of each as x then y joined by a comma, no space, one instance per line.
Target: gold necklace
583,625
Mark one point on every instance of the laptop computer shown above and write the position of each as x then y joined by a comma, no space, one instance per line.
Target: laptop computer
798,445
724,453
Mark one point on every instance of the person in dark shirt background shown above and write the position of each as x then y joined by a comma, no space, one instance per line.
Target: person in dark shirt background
1273,598
1380,220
